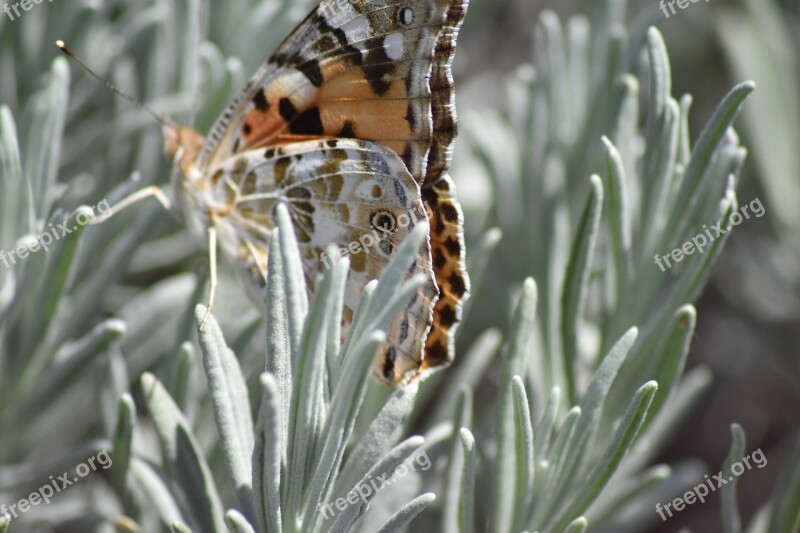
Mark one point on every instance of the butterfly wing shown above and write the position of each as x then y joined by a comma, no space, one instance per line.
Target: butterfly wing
371,70
355,194
376,71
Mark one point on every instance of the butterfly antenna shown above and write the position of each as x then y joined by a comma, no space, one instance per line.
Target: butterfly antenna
200,24
67,50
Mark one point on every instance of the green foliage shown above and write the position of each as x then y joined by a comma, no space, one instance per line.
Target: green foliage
284,425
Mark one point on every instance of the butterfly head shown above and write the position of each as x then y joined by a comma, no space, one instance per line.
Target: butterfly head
182,145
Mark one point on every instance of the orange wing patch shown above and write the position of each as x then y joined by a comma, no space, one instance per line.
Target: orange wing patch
447,254
345,106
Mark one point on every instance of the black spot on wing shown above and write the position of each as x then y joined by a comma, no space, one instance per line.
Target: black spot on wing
457,285
452,246
388,363
347,131
450,213
435,354
378,162
411,116
400,192
260,101
403,331
377,65
307,123
312,71
287,110
447,316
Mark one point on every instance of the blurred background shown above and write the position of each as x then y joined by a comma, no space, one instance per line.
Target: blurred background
748,328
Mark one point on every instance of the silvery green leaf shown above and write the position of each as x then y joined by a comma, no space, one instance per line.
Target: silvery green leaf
123,442
675,352
623,439
73,361
524,452
557,461
466,515
409,512
180,527
294,281
267,457
686,396
151,487
228,391
43,140
339,424
305,409
16,202
279,362
452,485
340,270
237,523
619,218
702,154
578,525
378,437
513,364
382,469
183,457
545,428
576,279
731,521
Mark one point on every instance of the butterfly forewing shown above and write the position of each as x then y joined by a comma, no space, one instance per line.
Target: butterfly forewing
350,70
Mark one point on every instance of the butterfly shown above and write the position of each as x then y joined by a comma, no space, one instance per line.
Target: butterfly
350,125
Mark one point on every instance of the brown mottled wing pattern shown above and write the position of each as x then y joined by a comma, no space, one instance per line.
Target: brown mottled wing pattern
355,194
447,219
447,252
376,71
371,70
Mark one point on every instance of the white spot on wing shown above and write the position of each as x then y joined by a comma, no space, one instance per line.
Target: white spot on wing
406,16
393,45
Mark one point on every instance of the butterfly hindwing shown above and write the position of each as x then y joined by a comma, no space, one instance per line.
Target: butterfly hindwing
447,252
355,194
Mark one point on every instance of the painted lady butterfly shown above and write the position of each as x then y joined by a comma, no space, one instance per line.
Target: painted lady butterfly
350,124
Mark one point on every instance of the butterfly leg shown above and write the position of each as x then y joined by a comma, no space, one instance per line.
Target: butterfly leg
147,192
212,274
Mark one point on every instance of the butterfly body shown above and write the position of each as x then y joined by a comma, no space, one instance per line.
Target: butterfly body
350,124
